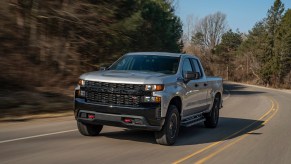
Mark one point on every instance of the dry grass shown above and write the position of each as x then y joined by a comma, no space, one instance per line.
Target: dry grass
20,103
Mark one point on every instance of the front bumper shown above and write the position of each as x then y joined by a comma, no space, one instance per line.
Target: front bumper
114,115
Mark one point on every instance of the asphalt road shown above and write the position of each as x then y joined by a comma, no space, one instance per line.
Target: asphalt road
254,127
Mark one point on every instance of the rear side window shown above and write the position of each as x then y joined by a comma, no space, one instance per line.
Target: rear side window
187,67
197,67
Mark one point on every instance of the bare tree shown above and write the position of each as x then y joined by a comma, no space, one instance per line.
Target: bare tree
188,30
208,30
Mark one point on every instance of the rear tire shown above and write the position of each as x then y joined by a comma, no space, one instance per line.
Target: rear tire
88,129
213,116
170,130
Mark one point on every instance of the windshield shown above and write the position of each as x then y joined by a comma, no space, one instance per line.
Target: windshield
149,63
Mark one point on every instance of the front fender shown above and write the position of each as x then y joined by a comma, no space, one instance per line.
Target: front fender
167,95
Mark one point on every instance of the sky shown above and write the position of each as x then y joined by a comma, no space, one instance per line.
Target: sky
240,14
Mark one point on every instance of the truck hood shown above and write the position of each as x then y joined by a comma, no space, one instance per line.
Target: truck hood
126,76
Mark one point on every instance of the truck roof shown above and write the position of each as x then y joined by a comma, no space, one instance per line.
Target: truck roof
159,54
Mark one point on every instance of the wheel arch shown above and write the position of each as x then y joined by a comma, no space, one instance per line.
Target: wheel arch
219,95
177,101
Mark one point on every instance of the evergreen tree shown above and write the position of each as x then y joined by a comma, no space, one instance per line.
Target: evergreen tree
227,49
161,29
271,64
283,46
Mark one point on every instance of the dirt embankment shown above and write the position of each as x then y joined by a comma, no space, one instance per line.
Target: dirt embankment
38,102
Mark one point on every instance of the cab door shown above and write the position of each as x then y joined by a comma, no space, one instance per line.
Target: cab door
192,95
202,86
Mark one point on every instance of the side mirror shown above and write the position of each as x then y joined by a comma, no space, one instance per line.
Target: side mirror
102,68
192,75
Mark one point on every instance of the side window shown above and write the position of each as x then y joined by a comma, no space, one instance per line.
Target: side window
197,67
186,66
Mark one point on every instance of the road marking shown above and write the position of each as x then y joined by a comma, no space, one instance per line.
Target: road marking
275,111
228,95
220,150
224,139
36,136
203,160
270,110
288,91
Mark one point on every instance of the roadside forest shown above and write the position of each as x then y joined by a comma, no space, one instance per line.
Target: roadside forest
262,56
46,45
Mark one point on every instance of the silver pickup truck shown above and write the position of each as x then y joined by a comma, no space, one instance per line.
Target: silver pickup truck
149,91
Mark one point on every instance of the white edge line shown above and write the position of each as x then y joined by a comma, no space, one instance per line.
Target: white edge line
288,91
36,136
228,95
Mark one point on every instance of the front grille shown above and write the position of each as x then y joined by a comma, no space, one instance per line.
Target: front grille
113,99
121,86
115,93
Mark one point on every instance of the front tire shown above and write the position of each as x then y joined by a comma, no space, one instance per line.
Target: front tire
88,129
213,116
170,130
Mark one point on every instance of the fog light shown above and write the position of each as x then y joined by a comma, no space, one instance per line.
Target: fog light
152,99
157,99
147,99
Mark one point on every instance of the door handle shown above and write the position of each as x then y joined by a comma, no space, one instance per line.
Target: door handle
205,84
196,85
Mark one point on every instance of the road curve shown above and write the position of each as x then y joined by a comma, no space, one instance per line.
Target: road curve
254,127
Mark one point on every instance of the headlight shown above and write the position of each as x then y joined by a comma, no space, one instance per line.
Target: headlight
158,87
81,82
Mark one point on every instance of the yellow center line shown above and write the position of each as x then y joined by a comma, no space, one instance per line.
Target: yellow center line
203,160
270,110
220,150
218,142
276,110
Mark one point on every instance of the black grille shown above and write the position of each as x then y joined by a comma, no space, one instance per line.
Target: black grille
113,99
115,85
115,93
